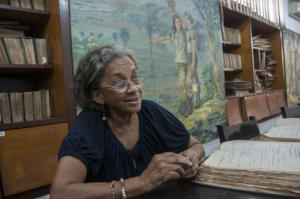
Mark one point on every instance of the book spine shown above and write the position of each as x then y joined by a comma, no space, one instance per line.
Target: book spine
6,51
23,50
4,2
35,51
5,108
0,114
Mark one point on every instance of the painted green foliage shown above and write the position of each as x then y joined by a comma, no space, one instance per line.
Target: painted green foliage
134,23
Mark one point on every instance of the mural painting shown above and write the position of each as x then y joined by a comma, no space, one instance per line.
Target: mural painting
292,66
178,47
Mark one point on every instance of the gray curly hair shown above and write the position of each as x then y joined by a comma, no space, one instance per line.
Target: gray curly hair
90,72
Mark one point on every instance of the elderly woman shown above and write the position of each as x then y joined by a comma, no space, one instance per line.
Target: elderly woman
120,145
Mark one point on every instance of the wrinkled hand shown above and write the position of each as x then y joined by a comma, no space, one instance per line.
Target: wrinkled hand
152,42
193,67
196,159
164,167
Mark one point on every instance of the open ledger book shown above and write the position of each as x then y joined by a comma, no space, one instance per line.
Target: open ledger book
285,130
257,166
288,121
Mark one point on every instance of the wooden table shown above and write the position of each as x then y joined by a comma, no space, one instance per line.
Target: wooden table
187,190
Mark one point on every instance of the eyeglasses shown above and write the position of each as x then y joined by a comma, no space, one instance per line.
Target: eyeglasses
122,85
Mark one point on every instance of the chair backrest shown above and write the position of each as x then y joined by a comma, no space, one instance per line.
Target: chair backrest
243,131
292,112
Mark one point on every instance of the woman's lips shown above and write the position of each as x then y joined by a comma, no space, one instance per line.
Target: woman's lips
133,101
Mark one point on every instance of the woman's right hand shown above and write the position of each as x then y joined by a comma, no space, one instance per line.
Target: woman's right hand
164,167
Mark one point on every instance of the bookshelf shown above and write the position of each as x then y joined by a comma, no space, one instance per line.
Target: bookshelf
261,73
254,58
275,71
28,149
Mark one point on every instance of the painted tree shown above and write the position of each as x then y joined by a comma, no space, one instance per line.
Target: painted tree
210,9
115,37
100,35
149,33
125,36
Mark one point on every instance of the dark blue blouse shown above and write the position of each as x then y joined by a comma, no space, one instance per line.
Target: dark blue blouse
92,141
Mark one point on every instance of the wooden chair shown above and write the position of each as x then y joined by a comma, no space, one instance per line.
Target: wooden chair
292,112
243,131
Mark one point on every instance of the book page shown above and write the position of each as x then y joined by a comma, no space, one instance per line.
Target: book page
288,121
257,155
287,131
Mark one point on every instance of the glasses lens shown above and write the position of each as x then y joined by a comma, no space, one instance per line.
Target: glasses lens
122,85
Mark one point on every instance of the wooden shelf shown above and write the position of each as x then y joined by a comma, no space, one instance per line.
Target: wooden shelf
260,49
232,70
259,27
25,15
25,68
52,120
260,70
229,43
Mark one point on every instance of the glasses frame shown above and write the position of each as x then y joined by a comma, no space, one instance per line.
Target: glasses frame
128,83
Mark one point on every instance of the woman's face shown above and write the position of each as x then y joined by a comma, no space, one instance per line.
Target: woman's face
188,22
178,24
126,100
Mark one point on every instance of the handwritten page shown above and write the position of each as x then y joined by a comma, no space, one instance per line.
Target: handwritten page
288,121
257,155
287,131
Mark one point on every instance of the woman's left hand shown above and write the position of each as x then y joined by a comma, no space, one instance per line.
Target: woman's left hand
195,154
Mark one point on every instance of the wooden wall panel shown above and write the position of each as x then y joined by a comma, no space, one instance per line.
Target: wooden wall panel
281,97
279,78
234,112
28,156
275,101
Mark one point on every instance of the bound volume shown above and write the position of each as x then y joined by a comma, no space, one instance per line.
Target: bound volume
17,106
5,108
29,50
14,50
3,55
41,50
26,4
257,166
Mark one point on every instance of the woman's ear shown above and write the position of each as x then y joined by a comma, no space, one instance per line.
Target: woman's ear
98,97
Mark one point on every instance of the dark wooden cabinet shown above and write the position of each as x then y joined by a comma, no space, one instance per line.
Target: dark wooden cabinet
28,150
254,58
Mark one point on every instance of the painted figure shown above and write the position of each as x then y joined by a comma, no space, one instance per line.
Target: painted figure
178,38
